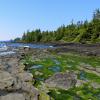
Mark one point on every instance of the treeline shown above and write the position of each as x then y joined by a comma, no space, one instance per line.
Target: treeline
84,32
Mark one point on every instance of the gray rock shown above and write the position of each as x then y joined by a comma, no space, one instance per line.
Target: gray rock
62,80
80,83
95,85
15,83
6,80
98,69
26,77
13,96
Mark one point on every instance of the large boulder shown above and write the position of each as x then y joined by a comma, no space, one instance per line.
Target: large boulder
62,80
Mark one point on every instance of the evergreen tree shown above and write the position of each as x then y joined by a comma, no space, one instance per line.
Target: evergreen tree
79,32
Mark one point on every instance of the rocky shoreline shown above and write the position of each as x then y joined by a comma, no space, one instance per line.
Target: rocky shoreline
84,49
15,82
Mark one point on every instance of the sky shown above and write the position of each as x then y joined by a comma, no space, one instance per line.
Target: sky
17,16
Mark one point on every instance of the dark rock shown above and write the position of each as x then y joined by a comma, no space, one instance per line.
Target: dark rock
84,49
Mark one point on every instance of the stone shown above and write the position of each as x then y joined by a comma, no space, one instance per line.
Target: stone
6,80
80,83
15,82
13,96
62,80
26,77
38,73
95,85
98,69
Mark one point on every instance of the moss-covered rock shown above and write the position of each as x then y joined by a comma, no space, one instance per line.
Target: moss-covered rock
44,96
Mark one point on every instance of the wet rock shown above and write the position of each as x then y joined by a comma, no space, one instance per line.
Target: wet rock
25,48
38,54
88,53
62,80
89,68
84,49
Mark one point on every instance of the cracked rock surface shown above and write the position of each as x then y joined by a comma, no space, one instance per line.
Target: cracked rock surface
15,83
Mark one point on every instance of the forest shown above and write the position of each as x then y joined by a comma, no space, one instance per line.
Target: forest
82,32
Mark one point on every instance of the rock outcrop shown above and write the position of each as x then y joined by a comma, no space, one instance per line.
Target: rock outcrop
15,83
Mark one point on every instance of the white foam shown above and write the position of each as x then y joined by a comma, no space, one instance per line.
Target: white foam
6,53
3,47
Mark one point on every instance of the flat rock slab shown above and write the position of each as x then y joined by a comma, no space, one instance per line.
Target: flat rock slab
62,80
13,96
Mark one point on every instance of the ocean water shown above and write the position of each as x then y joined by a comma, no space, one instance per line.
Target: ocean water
4,47
40,46
4,50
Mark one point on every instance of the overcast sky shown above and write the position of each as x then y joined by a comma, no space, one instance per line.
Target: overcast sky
17,16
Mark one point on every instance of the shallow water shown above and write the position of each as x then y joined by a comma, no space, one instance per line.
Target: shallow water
55,68
30,45
4,47
82,75
6,53
56,61
36,67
